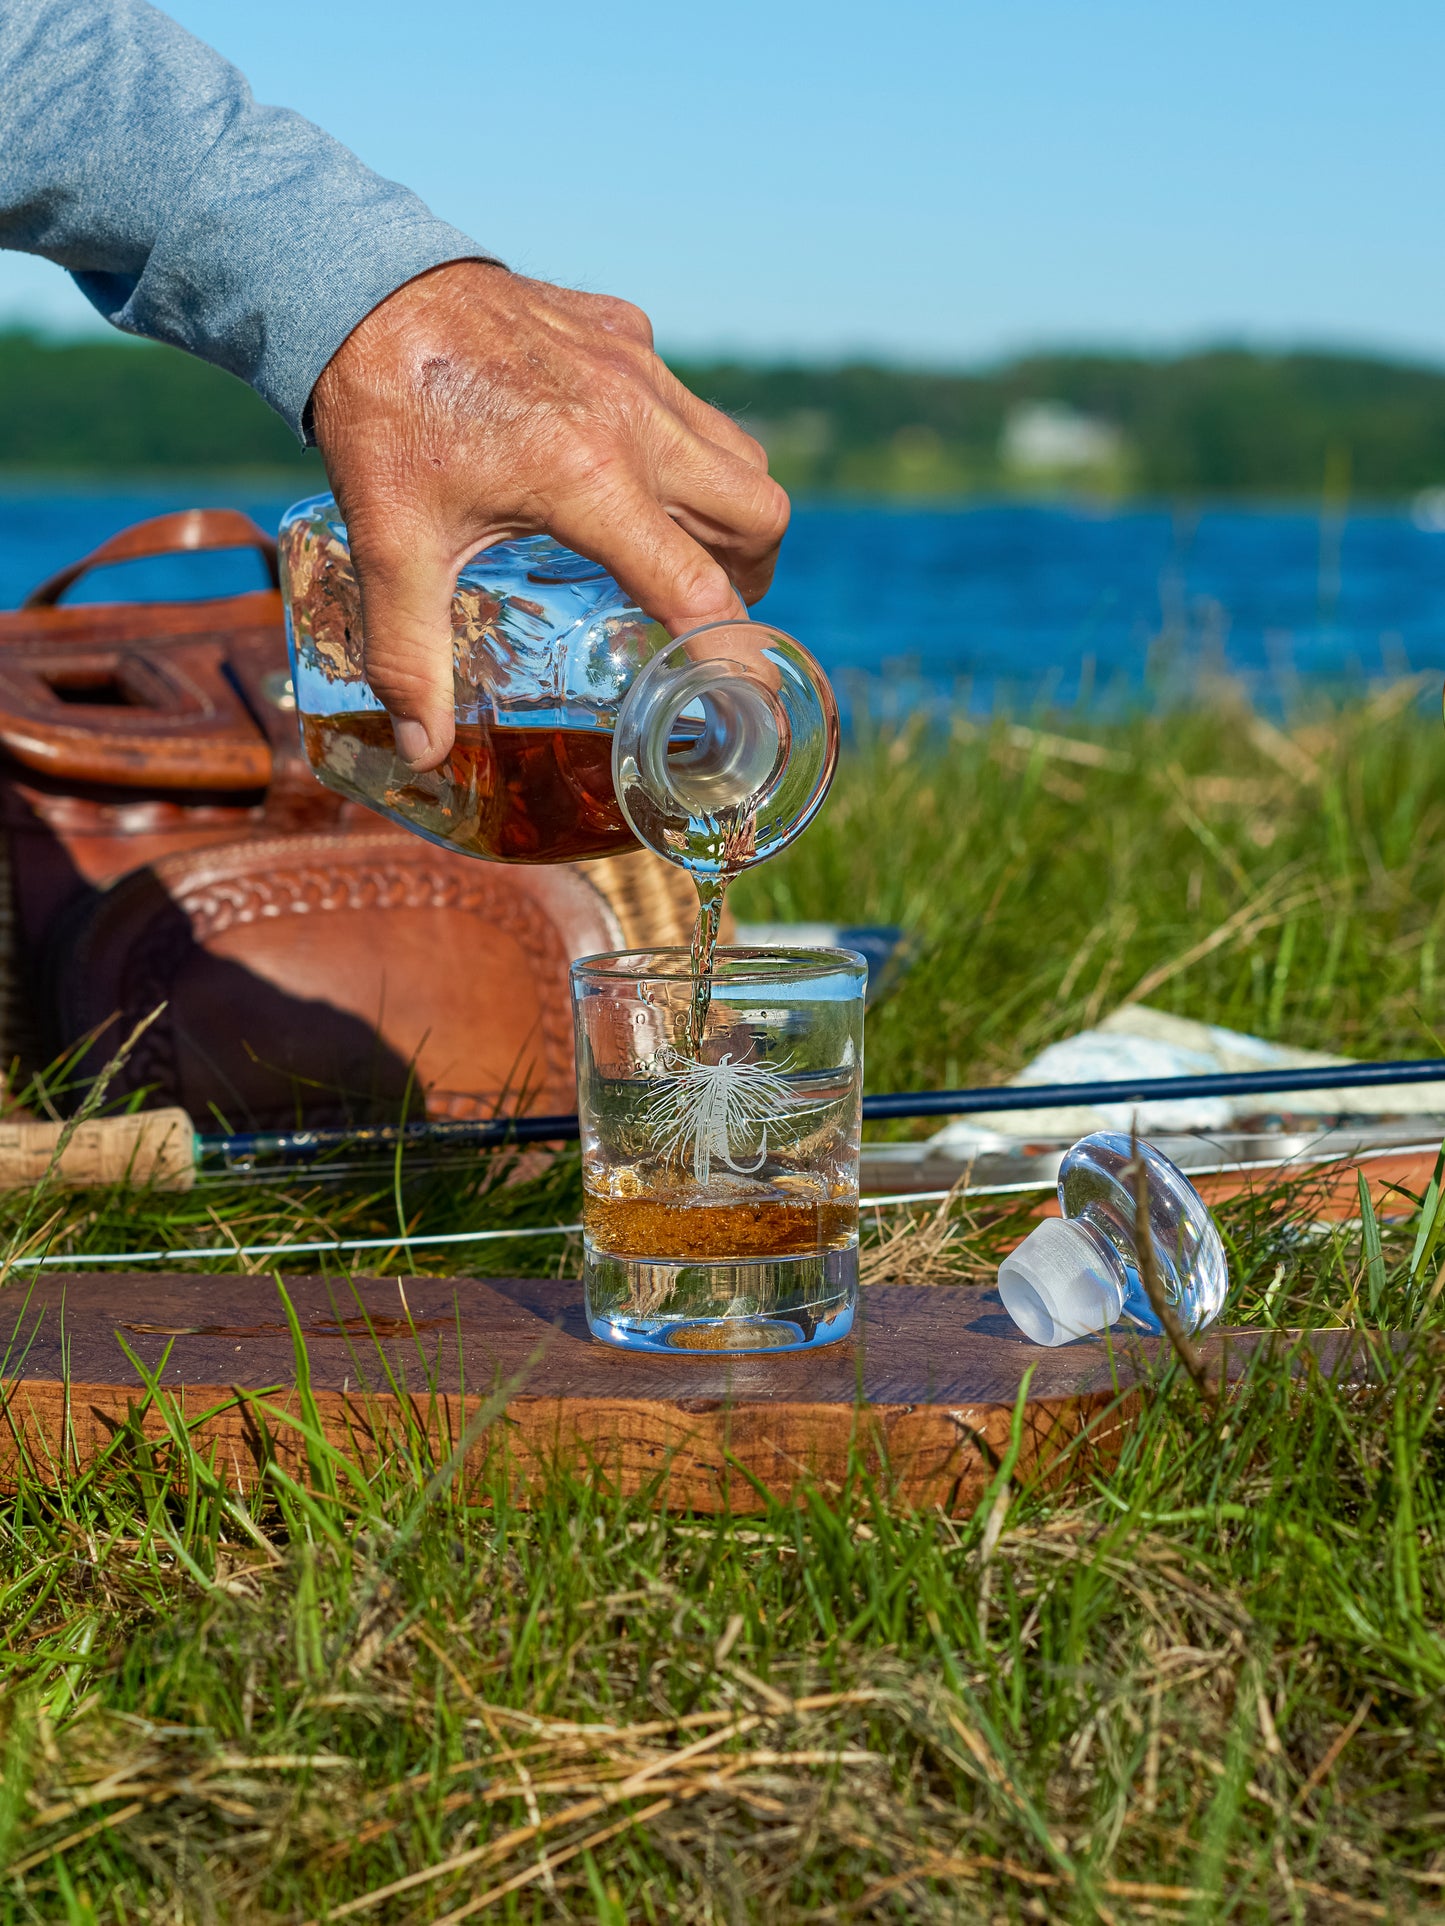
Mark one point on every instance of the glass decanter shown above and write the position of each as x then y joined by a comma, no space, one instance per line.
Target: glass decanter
583,729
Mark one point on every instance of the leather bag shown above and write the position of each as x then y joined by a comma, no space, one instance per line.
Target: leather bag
167,844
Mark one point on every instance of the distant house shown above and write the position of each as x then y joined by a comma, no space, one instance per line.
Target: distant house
1051,438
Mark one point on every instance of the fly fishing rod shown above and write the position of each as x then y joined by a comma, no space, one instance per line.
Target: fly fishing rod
163,1147
302,1145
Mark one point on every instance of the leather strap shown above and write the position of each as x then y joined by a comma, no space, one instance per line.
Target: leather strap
188,529
163,717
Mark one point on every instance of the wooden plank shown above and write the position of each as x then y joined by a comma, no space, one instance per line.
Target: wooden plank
926,1388
1328,1191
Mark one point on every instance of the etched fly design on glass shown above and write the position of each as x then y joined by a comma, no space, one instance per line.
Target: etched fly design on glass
721,1111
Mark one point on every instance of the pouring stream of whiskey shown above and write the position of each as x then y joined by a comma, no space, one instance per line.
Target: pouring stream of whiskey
732,842
729,848
710,891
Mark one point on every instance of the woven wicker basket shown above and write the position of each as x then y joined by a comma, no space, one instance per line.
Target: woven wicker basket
653,900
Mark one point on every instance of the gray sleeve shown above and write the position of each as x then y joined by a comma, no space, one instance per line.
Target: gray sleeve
135,156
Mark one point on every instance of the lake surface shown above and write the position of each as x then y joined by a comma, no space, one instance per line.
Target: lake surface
983,603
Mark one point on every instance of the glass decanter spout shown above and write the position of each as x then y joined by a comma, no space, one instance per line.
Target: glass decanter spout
725,746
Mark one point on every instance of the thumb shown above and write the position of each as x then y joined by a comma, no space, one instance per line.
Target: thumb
406,616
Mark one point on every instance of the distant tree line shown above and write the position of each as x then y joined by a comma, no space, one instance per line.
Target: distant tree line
1222,421
1226,420
129,406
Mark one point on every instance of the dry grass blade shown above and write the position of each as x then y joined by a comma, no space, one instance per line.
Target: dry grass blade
498,1848
921,1250
1284,751
957,1867
686,1771
492,1850
538,1871
1251,920
566,1741
1327,1764
18,1867
1184,1348
1345,1902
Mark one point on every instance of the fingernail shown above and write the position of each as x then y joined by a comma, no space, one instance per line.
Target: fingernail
412,740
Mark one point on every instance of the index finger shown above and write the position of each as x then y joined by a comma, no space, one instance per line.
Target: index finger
710,422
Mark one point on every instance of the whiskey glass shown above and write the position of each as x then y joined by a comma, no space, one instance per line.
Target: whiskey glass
720,1136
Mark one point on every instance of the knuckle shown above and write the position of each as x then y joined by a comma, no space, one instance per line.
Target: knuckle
621,399
702,585
586,459
623,317
401,682
384,542
613,381
773,513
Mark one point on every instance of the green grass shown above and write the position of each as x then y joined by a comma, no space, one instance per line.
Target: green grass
1208,1683
1040,890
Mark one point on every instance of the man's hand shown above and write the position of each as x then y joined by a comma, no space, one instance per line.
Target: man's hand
473,405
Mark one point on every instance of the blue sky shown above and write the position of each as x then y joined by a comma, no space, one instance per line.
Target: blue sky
917,180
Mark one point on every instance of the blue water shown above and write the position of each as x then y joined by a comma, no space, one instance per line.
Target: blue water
983,603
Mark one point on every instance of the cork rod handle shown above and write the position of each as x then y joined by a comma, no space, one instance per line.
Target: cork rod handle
152,1147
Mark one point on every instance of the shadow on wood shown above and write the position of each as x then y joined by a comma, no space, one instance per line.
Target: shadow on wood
924,1394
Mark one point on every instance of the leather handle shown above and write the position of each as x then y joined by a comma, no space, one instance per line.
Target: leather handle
188,529
149,1147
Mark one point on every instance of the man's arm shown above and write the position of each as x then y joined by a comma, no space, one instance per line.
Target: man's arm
135,156
454,403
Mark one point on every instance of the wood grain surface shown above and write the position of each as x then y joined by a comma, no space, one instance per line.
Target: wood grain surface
1328,1190
925,1390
